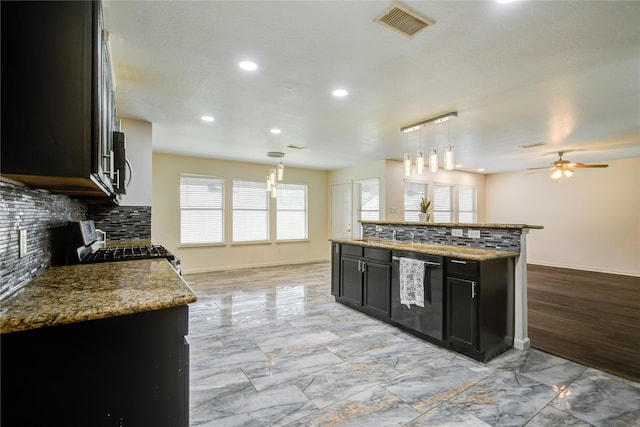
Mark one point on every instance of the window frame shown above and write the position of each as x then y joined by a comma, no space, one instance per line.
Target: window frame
260,186
361,184
282,188
416,208
216,180
437,213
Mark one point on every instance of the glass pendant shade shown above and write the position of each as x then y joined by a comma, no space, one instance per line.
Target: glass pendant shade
433,161
268,182
407,165
448,158
280,172
568,173
557,174
420,163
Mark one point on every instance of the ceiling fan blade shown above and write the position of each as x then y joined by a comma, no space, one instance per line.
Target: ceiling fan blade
583,166
544,167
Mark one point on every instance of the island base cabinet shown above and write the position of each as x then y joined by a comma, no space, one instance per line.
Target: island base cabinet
129,370
480,304
377,289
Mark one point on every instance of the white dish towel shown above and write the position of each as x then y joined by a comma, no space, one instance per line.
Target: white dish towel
411,282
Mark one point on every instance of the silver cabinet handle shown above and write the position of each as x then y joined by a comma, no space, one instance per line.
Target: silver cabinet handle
456,261
473,290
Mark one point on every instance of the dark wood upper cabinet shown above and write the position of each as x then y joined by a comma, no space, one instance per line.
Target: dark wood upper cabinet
58,110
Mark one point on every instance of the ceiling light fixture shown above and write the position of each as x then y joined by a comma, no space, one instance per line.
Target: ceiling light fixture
207,119
248,65
275,131
340,92
276,174
433,156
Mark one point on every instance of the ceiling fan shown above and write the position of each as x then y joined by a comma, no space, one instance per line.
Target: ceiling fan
565,167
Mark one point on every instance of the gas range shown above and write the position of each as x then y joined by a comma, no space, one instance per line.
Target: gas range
77,243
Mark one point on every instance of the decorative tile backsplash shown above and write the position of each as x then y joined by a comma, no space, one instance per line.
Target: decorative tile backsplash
38,213
122,222
490,238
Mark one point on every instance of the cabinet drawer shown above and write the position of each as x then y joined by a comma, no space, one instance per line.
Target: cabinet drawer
350,250
462,267
383,255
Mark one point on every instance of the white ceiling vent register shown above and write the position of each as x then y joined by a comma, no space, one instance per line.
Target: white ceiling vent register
403,20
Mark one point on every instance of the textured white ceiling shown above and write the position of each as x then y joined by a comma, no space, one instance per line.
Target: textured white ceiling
564,73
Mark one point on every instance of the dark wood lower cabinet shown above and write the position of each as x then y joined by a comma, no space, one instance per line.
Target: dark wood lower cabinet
377,289
480,302
130,370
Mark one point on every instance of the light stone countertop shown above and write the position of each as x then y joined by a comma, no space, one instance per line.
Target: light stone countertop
77,293
455,224
463,252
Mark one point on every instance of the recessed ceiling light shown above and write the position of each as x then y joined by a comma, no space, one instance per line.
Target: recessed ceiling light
248,65
480,169
340,92
206,118
275,131
458,166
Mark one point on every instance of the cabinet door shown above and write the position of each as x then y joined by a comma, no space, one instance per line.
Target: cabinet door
377,286
351,280
462,318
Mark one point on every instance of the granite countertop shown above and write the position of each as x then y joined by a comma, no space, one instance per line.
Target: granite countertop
455,224
77,293
473,254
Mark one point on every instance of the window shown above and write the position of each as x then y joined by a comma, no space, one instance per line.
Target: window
443,203
201,210
291,212
369,200
250,211
413,194
467,204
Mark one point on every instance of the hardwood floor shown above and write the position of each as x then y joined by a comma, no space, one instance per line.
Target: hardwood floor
591,318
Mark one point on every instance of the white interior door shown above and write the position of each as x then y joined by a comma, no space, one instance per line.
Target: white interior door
341,210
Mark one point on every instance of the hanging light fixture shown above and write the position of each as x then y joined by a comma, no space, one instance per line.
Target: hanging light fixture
557,174
433,155
420,157
433,161
275,174
448,158
407,157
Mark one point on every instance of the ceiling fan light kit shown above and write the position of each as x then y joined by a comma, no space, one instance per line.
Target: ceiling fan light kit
564,167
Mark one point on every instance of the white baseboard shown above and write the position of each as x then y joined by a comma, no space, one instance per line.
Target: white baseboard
584,268
245,266
522,344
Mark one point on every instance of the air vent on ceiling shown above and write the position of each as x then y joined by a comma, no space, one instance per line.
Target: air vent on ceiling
296,147
536,144
403,20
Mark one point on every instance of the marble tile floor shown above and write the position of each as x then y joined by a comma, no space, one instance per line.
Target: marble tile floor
271,347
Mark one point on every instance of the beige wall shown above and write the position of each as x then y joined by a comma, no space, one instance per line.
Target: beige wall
166,215
591,221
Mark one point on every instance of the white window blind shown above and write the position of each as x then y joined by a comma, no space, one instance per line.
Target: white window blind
201,210
443,203
467,211
250,211
291,212
369,200
413,194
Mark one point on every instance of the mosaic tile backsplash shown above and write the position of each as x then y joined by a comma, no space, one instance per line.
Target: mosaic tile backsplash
37,212
122,222
490,238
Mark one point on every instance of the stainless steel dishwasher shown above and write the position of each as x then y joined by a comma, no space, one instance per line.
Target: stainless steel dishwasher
428,320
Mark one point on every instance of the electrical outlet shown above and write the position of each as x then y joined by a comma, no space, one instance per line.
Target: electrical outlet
474,234
23,243
456,232
393,209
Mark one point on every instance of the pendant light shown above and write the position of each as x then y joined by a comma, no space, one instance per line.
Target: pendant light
433,161
448,155
275,174
420,157
407,156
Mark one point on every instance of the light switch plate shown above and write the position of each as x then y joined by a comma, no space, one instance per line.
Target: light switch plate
474,234
456,232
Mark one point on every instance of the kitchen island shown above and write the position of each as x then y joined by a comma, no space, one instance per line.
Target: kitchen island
97,344
477,273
